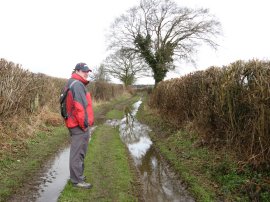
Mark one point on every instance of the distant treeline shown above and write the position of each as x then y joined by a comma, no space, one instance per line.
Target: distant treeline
228,107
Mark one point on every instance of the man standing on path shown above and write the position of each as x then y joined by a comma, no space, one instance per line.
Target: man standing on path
79,117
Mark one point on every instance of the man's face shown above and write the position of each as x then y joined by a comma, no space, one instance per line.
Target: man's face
83,74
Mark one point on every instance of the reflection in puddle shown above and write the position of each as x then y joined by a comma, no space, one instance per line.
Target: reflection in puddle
160,184
51,179
55,178
139,149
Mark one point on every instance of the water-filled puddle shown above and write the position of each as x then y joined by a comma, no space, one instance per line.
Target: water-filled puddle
50,181
55,178
159,182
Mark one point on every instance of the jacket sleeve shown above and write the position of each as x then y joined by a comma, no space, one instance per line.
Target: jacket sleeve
90,111
80,105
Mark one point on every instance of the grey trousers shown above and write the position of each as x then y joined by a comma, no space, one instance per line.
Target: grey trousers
78,149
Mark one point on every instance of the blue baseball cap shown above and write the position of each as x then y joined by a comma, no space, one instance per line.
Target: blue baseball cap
83,67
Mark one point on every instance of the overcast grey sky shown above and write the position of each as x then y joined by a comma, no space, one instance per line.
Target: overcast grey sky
51,36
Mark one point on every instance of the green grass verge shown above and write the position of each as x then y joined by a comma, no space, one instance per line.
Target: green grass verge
115,114
107,168
16,169
178,149
211,175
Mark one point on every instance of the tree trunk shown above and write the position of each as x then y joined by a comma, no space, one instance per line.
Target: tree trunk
159,73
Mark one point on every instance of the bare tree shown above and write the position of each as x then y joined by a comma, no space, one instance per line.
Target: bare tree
125,66
161,32
100,74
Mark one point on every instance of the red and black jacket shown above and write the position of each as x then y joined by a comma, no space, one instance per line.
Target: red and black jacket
79,104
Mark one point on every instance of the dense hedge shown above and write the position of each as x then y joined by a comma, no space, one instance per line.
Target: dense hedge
228,106
23,92
28,100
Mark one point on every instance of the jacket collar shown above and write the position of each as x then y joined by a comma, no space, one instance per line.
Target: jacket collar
78,77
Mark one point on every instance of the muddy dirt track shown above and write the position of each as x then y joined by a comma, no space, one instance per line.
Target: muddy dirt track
157,181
